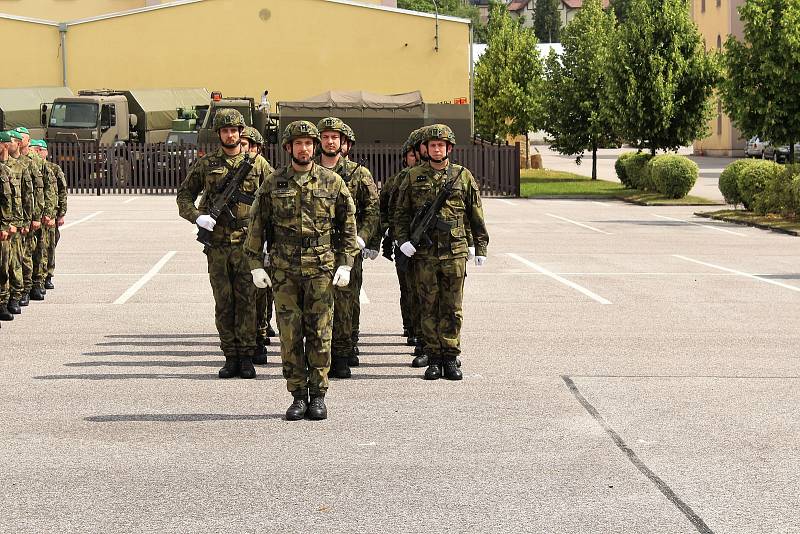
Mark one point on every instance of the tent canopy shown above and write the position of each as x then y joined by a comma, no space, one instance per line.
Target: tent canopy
159,106
21,106
358,100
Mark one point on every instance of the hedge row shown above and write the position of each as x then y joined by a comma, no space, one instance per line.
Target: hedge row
669,174
762,186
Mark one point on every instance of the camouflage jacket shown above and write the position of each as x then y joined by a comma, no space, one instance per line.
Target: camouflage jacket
462,210
298,213
365,196
61,184
6,199
388,199
208,176
32,160
50,189
22,185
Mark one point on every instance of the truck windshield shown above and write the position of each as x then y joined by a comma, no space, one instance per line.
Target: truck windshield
74,115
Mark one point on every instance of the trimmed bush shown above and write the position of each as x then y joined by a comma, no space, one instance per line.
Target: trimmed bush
729,180
619,166
636,170
776,196
753,179
673,176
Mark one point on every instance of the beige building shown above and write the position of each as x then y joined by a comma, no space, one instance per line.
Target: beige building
716,19
293,48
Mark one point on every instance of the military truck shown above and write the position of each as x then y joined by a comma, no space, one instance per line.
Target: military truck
21,107
112,116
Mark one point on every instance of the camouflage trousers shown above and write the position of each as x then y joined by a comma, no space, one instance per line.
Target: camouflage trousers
21,270
440,286
357,281
51,251
235,299
415,304
265,299
5,264
407,288
345,302
40,258
304,311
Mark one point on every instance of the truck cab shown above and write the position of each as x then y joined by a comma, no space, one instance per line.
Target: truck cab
91,116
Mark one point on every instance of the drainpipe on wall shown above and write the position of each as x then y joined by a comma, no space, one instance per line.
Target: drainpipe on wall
436,38
62,29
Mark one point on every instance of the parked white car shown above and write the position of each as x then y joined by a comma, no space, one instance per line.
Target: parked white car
754,148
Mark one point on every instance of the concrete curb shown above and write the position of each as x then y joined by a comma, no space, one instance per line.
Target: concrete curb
747,223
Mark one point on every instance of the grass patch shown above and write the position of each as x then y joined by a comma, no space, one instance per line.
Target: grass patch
771,222
544,183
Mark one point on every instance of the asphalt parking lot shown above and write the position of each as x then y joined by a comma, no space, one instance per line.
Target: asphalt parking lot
627,369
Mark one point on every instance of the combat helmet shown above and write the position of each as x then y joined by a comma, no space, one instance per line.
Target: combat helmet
349,133
332,124
228,117
253,135
439,131
298,129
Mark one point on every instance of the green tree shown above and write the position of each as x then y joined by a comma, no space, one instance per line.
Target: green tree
453,8
660,77
574,114
547,21
762,73
508,79
620,8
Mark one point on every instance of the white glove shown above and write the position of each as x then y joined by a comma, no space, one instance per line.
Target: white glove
480,261
408,249
369,253
471,253
261,278
207,222
360,242
342,276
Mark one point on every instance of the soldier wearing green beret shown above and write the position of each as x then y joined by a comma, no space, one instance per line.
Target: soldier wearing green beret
46,234
10,213
27,221
61,212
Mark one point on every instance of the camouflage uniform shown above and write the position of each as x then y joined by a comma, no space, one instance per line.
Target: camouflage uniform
440,269
228,268
388,200
46,234
300,211
8,206
61,211
264,297
22,185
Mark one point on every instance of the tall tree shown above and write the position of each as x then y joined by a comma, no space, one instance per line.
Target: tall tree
660,77
508,79
547,21
574,114
759,91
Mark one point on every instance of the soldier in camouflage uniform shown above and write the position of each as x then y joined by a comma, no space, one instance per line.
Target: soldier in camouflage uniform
9,214
441,268
30,160
297,209
228,268
47,231
252,142
61,211
365,196
22,184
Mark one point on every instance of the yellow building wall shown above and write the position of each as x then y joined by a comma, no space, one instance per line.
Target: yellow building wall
294,48
65,10
40,55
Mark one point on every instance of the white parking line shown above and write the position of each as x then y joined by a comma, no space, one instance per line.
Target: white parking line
578,224
554,276
73,223
144,279
507,202
130,200
740,273
698,224
362,297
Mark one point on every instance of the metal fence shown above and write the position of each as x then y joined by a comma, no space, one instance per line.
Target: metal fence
137,168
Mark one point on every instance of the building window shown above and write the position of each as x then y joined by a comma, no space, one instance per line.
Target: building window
719,3
702,6
719,42
719,117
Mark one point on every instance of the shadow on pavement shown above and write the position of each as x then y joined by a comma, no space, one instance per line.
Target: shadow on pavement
179,417
157,344
157,363
146,376
153,353
159,336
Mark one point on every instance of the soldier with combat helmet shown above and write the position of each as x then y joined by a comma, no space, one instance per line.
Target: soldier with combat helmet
440,267
297,210
30,160
60,211
228,268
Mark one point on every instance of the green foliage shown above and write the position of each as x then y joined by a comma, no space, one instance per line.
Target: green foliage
547,21
729,180
660,78
508,80
573,110
637,171
619,166
762,80
753,179
673,176
620,8
453,8
776,196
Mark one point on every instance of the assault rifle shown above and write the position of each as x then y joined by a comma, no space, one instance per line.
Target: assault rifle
425,220
229,196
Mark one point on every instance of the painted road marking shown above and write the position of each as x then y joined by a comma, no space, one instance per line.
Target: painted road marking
698,224
79,221
362,297
578,224
507,202
144,279
740,273
130,200
554,276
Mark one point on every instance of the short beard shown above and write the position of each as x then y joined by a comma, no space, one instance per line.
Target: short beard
332,154
229,145
299,161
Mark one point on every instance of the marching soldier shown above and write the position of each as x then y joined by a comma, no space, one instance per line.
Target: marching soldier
228,269
10,212
441,267
31,161
297,209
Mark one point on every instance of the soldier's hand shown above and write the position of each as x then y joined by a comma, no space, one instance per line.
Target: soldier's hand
12,229
3,235
60,221
51,223
361,244
470,253
369,253
23,230
342,276
207,222
261,278
408,249
480,261
35,225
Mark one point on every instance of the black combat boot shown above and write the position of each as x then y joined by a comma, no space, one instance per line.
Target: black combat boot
420,361
271,331
298,408
340,367
406,332
434,370
13,307
48,283
419,350
246,369
231,367
352,360
25,300
5,315
36,294
451,370
411,341
260,357
317,411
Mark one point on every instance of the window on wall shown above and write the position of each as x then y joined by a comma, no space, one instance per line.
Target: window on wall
702,6
719,42
719,117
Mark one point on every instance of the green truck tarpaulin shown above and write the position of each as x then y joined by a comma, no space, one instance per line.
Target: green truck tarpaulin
22,106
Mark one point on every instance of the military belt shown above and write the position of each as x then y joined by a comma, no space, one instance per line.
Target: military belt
238,224
304,242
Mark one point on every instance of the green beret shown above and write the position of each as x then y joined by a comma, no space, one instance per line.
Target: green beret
38,142
15,134
5,137
22,130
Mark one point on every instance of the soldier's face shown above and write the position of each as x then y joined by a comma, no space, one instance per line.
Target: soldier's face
438,149
331,143
4,149
254,150
13,147
229,136
303,150
245,144
25,140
